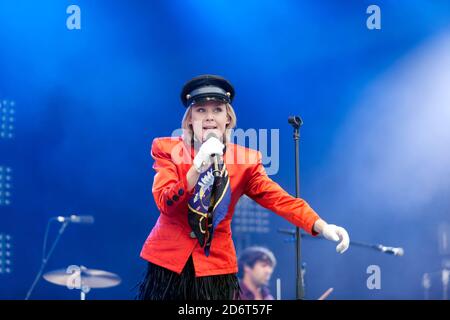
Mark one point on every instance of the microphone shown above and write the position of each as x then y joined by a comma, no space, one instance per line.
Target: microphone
216,170
391,250
76,219
215,157
295,121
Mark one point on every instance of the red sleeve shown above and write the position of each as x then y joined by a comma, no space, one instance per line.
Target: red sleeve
270,195
169,189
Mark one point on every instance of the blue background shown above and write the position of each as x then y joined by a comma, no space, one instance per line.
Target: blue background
374,147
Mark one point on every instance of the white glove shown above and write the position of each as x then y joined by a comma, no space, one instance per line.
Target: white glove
335,233
203,160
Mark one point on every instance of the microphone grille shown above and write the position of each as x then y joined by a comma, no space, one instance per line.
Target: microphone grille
211,135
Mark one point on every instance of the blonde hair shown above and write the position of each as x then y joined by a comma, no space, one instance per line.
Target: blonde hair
188,132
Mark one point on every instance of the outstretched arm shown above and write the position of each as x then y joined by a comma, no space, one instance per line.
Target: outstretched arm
270,195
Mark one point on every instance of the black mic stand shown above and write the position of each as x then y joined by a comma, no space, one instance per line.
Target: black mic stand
377,247
296,123
293,233
45,258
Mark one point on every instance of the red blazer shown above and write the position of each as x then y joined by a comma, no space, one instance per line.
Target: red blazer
169,244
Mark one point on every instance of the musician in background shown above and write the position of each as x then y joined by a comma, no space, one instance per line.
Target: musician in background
256,265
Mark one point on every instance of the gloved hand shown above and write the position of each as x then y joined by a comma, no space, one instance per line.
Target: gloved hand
335,233
203,160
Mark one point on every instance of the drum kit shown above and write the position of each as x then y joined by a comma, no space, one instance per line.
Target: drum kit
73,277
82,278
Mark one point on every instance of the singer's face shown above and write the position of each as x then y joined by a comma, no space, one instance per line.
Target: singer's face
209,117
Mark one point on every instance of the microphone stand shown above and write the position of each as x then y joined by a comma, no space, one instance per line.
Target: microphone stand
46,258
377,247
296,123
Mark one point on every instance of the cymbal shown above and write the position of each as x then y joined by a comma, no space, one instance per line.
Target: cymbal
80,276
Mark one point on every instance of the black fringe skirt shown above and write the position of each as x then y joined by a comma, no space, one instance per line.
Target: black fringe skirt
162,284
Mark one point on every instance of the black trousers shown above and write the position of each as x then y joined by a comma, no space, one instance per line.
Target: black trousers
162,284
